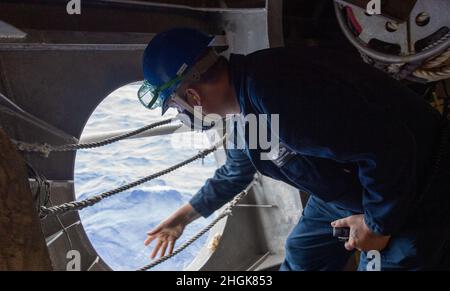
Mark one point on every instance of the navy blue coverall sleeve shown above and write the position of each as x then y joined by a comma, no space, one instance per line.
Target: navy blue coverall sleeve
325,117
228,181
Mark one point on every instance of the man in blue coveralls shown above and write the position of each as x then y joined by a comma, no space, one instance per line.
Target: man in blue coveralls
360,143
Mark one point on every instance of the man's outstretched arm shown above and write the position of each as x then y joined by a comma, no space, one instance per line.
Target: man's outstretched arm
228,181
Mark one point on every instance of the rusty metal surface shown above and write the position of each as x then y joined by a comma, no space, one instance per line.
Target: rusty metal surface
22,244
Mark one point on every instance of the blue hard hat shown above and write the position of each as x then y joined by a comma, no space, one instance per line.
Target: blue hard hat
167,59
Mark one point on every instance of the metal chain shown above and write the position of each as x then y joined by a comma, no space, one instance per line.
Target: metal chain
79,205
46,149
228,211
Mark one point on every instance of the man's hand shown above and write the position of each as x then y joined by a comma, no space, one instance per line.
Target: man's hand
168,231
361,237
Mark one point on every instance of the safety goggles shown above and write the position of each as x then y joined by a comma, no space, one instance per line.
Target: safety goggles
150,96
186,113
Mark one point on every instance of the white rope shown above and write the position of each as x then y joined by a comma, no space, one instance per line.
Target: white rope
79,205
436,69
45,149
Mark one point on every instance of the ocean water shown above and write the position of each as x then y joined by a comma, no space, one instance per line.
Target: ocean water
117,226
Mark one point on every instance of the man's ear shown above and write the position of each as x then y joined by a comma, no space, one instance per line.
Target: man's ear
193,97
